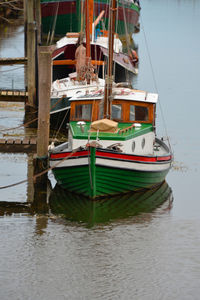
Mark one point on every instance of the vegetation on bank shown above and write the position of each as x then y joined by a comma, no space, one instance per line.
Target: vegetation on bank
10,9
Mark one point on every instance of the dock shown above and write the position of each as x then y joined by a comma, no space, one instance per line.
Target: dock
13,96
13,61
11,145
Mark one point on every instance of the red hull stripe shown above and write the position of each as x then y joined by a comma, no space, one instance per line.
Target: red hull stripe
69,7
65,8
108,155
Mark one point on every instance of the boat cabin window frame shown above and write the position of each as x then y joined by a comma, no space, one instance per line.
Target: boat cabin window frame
94,110
126,107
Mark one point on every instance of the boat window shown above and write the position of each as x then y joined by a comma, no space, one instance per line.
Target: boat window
117,111
83,111
139,113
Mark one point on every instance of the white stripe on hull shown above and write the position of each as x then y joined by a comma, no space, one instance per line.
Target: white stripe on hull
112,163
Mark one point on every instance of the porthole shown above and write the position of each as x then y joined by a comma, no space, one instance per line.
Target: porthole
143,143
133,146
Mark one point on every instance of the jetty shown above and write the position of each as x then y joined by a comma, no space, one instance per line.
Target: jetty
12,145
13,61
13,96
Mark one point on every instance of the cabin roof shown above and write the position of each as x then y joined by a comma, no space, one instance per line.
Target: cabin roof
119,94
124,132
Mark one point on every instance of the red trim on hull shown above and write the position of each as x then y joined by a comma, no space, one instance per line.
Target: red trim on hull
65,8
108,155
69,7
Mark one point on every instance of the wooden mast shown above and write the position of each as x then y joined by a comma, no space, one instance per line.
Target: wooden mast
109,78
88,17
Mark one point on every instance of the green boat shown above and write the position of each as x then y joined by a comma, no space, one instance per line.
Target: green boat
64,16
112,146
104,156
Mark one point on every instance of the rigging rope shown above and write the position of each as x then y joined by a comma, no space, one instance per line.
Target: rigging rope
155,84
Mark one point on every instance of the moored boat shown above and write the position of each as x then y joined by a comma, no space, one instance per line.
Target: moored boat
105,157
112,147
65,16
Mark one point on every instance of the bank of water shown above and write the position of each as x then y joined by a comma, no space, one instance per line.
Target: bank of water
154,255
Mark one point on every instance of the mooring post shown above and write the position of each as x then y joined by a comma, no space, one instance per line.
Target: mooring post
38,20
31,53
30,74
45,79
40,162
25,27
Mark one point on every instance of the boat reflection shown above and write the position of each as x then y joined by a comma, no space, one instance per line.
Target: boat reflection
81,209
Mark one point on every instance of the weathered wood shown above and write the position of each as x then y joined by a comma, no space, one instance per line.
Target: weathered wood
45,78
12,145
13,96
38,20
13,61
31,53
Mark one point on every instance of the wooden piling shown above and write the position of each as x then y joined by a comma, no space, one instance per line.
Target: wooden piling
38,20
45,79
31,53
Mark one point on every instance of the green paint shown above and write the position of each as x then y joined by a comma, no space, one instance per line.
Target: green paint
130,134
81,209
105,180
92,171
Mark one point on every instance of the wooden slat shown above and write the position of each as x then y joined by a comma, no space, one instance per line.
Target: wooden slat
10,142
13,61
26,141
2,141
18,142
33,141
13,95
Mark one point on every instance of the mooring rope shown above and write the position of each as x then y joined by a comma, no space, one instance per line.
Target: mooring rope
32,121
41,173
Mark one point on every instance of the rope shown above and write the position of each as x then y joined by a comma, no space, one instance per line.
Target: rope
12,69
23,125
41,173
155,84
32,121
54,138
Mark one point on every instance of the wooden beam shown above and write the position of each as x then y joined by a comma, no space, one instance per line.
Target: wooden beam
13,61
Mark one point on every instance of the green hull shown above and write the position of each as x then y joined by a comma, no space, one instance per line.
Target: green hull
105,181
82,209
61,17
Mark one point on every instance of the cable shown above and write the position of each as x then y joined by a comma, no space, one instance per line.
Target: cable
155,84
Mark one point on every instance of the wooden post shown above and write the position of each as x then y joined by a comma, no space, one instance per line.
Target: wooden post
25,28
31,53
38,20
45,79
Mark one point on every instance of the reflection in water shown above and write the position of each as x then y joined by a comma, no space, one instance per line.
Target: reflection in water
82,209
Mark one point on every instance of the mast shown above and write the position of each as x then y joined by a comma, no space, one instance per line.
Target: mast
88,30
109,78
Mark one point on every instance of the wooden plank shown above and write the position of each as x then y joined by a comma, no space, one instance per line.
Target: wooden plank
10,142
33,141
18,142
2,141
13,61
25,141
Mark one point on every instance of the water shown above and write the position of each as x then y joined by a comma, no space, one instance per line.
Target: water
154,255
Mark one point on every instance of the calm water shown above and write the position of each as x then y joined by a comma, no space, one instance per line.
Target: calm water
151,256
